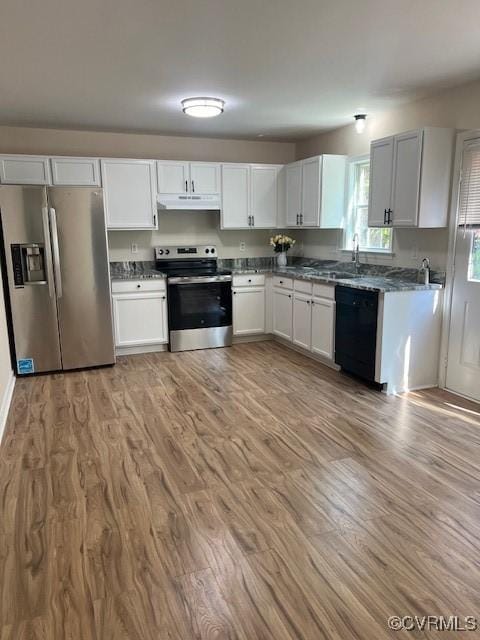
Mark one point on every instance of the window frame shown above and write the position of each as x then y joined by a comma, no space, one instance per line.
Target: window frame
347,241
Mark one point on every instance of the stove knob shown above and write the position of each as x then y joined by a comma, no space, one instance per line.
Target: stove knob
207,250
160,251
167,251
212,250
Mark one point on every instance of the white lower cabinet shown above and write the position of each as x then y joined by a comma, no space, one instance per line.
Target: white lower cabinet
323,327
283,313
139,313
248,310
302,320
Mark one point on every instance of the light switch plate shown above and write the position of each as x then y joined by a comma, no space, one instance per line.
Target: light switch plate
134,247
242,246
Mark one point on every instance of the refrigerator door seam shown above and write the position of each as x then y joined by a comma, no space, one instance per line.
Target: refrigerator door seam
56,252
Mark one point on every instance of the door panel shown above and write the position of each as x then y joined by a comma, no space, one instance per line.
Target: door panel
140,319
172,177
282,314
204,178
406,179
235,196
248,310
84,308
264,196
294,193
381,168
323,324
463,369
302,321
311,193
34,311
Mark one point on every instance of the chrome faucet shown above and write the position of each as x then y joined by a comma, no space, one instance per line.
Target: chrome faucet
356,252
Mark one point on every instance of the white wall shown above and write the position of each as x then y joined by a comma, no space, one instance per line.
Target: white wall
198,227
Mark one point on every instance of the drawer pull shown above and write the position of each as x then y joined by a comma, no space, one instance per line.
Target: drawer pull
139,286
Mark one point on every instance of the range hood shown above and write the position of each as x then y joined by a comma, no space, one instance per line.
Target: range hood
189,202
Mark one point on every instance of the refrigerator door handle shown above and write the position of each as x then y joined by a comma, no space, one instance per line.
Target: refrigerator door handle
56,251
48,252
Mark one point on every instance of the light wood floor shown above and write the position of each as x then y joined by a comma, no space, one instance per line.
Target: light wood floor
245,493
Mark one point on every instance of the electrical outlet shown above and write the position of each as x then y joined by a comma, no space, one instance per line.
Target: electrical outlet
134,247
242,246
414,252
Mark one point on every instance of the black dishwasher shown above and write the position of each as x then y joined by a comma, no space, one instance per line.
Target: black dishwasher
356,330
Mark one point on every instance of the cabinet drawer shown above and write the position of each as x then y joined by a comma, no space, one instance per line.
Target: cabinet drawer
303,286
282,283
324,290
249,280
134,286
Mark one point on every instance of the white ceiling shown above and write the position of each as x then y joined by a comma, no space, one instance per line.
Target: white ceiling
286,69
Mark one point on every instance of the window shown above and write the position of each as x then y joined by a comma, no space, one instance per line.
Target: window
474,263
370,239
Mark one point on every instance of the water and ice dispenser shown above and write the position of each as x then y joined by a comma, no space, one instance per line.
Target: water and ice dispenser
28,264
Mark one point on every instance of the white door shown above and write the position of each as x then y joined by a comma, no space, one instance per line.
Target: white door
81,172
204,178
294,193
463,359
130,192
282,313
380,191
406,179
302,320
235,196
264,196
24,170
323,326
173,177
310,215
140,319
248,310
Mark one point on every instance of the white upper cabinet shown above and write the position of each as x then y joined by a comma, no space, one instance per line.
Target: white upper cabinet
250,196
24,170
410,179
176,177
264,196
173,177
130,192
235,196
381,175
204,178
316,192
80,172
294,193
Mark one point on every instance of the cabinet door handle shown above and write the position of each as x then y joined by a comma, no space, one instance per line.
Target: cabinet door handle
253,221
289,295
186,186
389,216
193,186
154,219
312,303
297,218
249,280
384,216
139,286
301,218
234,293
164,297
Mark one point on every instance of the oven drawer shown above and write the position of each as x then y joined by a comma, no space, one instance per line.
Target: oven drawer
131,286
249,280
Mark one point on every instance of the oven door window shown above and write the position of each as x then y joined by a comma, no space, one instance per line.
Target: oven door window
199,305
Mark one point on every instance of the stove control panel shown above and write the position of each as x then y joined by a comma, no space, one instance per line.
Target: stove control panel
202,251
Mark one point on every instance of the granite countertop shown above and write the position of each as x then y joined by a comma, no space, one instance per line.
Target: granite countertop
368,282
136,274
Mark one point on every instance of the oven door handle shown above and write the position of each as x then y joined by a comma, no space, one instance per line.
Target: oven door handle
198,279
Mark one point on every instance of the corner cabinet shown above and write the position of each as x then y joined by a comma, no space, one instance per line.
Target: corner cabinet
250,196
315,192
139,314
130,192
410,179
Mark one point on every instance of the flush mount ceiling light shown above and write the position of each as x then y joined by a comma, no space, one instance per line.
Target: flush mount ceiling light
360,122
203,107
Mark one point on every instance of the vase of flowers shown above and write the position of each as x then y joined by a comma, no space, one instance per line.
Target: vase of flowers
281,244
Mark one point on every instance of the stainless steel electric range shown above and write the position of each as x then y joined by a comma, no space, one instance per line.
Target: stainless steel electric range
199,297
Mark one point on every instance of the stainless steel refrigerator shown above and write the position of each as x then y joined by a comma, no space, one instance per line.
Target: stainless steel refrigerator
56,260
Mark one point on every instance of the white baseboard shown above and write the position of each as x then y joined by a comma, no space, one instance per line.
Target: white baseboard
147,348
5,403
253,337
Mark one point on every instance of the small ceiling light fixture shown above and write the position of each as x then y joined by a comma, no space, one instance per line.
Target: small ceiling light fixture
360,122
203,107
